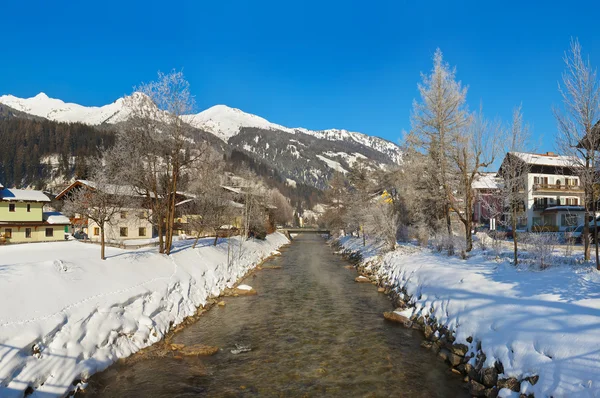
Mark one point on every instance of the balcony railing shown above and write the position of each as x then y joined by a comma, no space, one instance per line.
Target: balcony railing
544,206
556,187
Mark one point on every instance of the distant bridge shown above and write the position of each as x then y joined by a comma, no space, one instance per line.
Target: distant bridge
288,231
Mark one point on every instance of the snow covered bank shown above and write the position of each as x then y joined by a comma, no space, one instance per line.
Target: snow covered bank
544,323
65,314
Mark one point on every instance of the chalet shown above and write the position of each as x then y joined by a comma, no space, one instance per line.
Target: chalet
553,193
22,217
132,222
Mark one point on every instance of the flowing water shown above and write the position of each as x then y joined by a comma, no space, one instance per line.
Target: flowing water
310,331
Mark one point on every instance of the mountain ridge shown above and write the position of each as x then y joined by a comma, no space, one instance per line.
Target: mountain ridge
220,120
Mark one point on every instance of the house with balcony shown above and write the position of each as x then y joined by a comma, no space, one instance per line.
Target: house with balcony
553,195
23,220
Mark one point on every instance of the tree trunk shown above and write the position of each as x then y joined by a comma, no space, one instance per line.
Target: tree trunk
216,239
595,230
102,243
196,241
364,237
514,229
469,237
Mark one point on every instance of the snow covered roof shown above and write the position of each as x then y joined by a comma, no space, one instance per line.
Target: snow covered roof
125,190
24,195
486,181
547,159
1,186
54,217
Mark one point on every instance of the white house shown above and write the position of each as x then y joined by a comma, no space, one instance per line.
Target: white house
554,196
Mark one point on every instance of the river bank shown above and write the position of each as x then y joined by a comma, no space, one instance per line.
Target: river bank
521,332
66,314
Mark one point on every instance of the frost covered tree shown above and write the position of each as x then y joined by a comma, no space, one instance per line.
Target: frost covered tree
437,120
283,212
160,146
360,193
336,196
512,192
470,152
100,202
210,207
579,131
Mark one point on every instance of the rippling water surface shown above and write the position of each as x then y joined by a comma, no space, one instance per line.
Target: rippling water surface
311,330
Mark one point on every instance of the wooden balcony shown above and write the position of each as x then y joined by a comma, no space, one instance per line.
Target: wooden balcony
557,188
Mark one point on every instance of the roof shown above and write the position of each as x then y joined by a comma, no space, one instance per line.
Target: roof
23,195
125,190
55,217
547,159
486,181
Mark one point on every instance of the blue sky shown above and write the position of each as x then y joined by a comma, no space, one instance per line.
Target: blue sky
316,64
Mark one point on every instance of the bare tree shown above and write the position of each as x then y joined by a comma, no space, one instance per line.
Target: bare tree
436,122
471,152
100,202
513,189
283,212
382,221
157,135
578,136
359,196
336,196
210,208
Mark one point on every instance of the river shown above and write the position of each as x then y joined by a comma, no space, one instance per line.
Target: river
311,330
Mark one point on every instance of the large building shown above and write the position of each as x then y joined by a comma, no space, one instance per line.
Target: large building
22,217
553,196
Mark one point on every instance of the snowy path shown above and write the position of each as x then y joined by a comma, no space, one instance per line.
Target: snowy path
66,314
544,323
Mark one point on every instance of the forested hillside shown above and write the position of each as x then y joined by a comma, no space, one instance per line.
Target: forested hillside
35,152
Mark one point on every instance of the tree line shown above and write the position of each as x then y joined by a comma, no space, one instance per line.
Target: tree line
26,143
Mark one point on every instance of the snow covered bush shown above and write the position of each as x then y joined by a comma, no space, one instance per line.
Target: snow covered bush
540,247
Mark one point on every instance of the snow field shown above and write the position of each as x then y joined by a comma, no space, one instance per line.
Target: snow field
66,314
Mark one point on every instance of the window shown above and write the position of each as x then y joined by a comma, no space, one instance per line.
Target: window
11,207
49,232
142,214
96,231
28,232
123,214
569,220
142,231
123,231
28,208
8,233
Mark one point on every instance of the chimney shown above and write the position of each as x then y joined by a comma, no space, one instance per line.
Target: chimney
550,154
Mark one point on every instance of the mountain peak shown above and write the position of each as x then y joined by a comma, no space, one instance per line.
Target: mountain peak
41,95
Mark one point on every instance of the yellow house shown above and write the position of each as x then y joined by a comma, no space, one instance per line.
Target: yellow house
22,217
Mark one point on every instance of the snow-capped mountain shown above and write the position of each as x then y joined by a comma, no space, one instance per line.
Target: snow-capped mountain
226,122
298,154
59,111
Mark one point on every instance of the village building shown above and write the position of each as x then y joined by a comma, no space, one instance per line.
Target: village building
554,196
132,222
487,205
23,220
